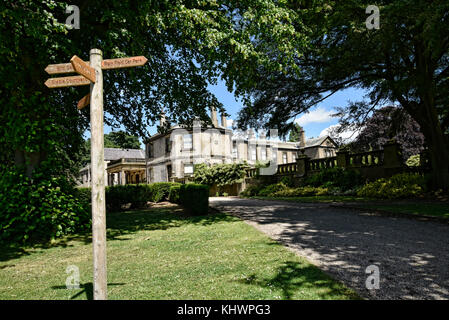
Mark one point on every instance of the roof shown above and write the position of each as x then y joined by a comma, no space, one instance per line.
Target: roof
315,142
115,154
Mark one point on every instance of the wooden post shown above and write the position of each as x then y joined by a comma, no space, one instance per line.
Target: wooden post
92,74
98,183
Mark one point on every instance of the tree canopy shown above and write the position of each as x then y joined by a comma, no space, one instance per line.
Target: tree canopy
115,139
405,61
389,123
189,44
295,133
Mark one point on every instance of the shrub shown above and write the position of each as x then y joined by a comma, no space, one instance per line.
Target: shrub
84,195
287,180
194,198
173,195
301,192
139,195
39,210
272,189
219,174
403,185
335,177
413,161
160,191
251,191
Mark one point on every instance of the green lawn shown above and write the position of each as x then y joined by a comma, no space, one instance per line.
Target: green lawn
440,210
162,254
411,206
316,198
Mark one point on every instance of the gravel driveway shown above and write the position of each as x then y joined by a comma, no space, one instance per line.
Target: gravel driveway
412,255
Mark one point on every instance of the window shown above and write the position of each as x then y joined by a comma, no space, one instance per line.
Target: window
187,139
284,157
234,150
188,168
263,154
167,145
169,172
253,153
294,157
150,150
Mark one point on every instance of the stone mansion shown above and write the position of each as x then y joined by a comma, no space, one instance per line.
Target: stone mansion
172,155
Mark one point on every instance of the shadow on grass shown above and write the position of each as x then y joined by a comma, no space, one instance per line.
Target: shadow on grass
292,277
86,288
119,226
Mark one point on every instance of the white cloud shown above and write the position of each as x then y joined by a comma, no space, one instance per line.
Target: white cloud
347,136
319,115
229,123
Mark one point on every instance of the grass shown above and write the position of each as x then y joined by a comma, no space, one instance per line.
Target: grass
316,198
160,253
410,206
440,210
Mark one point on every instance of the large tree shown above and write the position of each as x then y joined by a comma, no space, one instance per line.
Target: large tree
389,123
295,133
405,61
188,45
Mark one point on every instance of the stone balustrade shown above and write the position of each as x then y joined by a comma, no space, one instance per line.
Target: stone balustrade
371,164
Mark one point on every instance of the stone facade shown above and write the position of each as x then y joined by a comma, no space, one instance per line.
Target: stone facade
171,156
123,166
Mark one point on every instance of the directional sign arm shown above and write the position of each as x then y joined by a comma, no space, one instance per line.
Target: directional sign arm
67,82
83,68
84,101
123,63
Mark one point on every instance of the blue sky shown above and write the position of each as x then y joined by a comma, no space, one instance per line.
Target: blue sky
318,119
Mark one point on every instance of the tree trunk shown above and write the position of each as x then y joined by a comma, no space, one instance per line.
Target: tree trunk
426,116
439,160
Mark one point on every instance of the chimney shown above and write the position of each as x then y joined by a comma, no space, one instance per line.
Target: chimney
223,121
213,116
162,120
302,138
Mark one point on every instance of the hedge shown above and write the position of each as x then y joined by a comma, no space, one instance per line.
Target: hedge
39,210
194,198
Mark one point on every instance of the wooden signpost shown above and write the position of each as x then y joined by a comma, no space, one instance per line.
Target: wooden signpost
92,73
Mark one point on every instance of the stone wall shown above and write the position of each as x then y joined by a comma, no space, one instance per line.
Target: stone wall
372,165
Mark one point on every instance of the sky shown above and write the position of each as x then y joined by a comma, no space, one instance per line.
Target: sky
315,123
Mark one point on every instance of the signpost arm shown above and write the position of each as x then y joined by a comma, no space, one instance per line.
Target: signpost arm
98,178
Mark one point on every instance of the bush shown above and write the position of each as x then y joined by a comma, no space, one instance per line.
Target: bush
84,195
219,174
173,195
138,195
39,210
194,198
272,189
402,185
413,161
160,191
335,177
252,190
301,192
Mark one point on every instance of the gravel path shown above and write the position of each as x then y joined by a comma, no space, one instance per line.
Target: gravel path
412,255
